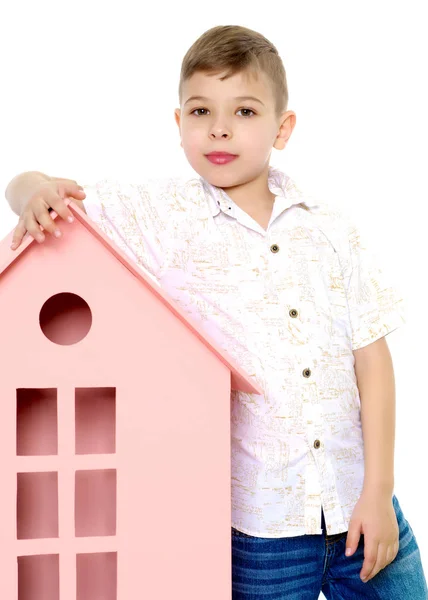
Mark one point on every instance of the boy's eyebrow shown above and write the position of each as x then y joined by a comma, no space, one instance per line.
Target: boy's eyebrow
204,99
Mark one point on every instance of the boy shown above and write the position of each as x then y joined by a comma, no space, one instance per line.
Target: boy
288,289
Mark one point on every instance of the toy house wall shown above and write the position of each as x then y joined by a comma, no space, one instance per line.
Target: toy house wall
151,490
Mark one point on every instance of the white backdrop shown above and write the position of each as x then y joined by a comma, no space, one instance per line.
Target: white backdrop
89,90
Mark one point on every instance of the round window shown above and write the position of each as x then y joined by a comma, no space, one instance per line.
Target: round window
65,319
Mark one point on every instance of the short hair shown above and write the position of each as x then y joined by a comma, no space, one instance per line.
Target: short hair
236,49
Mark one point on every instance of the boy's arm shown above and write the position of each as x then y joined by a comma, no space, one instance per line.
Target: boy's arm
376,384
136,217
21,188
374,513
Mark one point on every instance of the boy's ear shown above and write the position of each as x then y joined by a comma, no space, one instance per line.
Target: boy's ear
177,115
288,122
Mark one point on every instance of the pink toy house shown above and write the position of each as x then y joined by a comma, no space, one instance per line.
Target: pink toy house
114,430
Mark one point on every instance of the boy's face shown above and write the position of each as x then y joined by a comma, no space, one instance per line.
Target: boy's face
224,124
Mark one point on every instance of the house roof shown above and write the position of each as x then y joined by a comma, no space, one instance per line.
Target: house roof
239,379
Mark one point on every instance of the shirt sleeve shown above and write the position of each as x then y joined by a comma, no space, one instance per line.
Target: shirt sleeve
376,307
133,216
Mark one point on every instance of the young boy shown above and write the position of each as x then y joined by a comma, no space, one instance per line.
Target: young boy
287,287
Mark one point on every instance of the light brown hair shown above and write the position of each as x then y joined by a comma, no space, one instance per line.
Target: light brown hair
236,49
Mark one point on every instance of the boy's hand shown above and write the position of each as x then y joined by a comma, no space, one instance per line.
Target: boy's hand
374,516
49,194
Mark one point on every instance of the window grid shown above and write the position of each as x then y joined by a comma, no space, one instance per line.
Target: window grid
68,545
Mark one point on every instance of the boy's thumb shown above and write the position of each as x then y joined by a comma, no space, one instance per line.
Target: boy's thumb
353,538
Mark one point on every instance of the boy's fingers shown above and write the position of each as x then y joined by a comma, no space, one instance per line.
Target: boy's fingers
371,548
60,207
27,222
18,234
379,565
43,217
33,227
70,190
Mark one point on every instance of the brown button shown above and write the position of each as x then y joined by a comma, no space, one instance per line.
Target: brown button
306,373
317,444
274,248
293,313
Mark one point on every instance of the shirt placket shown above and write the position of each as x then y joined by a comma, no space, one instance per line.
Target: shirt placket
320,488
320,481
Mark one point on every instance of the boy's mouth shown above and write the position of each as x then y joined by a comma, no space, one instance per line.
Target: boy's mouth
220,158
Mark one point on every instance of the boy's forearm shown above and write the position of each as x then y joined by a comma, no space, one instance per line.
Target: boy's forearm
376,384
22,187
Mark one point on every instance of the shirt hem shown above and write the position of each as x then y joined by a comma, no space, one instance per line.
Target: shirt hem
283,534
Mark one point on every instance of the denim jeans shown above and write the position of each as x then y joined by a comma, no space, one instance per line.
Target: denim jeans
300,568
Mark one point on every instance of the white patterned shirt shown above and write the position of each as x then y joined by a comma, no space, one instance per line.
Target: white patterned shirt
289,304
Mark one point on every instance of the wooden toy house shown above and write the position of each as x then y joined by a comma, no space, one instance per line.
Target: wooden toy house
114,430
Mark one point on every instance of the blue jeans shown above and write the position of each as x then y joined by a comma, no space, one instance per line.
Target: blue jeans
300,568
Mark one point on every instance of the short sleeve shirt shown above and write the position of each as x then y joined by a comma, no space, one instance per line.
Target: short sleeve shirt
290,304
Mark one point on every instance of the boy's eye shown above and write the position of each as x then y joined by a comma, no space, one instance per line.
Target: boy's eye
243,109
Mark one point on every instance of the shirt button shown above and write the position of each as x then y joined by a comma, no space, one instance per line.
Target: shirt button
306,373
317,444
274,248
293,313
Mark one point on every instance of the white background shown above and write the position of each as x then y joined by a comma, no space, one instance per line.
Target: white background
89,90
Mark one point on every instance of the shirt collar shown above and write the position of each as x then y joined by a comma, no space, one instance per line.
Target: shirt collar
286,194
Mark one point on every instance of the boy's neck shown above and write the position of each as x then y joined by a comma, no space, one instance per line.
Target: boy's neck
260,209
253,195
251,201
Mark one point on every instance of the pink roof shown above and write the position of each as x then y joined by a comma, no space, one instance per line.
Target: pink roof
239,379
